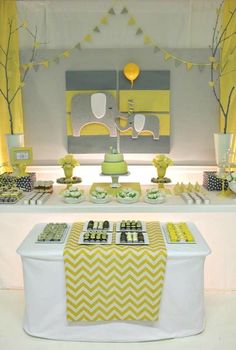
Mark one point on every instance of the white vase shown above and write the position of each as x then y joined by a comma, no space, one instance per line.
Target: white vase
223,143
14,140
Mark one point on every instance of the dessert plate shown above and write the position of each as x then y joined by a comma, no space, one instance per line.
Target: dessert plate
107,199
63,235
109,239
71,200
143,229
145,235
182,239
110,228
154,201
128,196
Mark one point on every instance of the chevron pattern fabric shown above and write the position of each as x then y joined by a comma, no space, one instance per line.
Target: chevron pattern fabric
114,282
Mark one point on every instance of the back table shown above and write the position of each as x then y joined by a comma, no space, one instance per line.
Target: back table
182,304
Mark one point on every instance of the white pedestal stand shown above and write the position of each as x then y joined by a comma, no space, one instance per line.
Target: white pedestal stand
115,179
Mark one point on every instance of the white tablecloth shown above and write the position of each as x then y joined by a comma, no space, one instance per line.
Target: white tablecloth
182,305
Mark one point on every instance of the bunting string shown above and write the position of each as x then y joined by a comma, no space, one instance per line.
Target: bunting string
97,29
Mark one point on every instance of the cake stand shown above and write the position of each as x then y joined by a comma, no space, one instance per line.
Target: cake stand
69,182
115,179
161,180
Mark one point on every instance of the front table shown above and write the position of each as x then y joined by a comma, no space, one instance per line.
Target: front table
182,305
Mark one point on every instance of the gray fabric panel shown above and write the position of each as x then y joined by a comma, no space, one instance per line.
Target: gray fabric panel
101,144
147,80
90,80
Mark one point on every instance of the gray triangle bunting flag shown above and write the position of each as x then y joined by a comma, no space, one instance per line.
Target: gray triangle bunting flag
36,67
124,11
139,31
78,46
177,63
56,60
156,49
96,29
111,11
201,68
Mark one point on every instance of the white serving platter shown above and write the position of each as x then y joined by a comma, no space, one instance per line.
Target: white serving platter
107,199
109,239
110,229
128,200
145,235
144,227
71,200
154,201
167,238
62,240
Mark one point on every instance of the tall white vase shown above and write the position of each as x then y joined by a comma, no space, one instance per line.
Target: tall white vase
15,140
223,143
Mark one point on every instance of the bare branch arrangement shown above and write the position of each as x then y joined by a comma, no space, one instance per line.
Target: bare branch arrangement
221,35
5,91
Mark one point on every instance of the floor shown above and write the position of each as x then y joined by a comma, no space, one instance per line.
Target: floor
220,330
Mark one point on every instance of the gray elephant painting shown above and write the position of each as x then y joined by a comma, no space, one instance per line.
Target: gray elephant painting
94,108
102,108
139,122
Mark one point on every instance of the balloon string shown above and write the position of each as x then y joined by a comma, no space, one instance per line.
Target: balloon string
132,84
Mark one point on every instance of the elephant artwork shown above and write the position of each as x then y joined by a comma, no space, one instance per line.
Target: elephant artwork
139,122
88,108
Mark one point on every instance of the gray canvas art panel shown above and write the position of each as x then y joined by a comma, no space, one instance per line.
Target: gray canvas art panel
96,102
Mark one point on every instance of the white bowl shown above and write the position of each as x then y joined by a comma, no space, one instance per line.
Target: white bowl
100,200
232,186
154,201
72,200
128,200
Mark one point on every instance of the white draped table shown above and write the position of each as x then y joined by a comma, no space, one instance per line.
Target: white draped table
182,305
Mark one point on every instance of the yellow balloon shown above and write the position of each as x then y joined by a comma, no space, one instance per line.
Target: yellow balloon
131,72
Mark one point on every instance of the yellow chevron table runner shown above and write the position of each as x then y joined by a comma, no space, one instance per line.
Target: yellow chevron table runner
114,282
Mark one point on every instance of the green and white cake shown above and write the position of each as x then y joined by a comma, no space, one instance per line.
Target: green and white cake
114,163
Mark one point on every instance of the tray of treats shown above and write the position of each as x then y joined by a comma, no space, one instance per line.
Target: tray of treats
92,225
127,196
10,196
177,233
131,225
95,237
132,238
43,186
36,198
100,196
53,233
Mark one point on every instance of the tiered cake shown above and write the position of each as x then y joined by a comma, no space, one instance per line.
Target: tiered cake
114,163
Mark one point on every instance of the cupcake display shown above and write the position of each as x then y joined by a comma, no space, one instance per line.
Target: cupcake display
10,196
73,195
154,196
53,233
100,195
43,186
178,233
127,196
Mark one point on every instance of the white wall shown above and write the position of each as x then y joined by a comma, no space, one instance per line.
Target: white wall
194,112
183,24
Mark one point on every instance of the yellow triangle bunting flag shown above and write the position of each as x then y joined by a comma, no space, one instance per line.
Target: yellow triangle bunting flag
24,24
36,44
189,65
66,54
88,37
104,20
147,40
131,21
167,56
45,64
